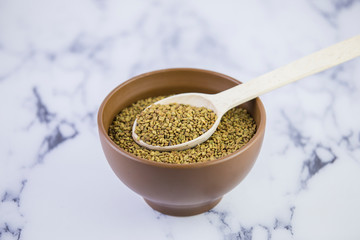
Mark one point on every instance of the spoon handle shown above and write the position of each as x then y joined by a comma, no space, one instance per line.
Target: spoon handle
301,68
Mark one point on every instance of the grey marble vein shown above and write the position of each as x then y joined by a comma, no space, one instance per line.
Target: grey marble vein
42,113
64,131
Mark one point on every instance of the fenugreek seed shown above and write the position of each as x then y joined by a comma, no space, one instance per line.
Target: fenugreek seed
236,128
185,118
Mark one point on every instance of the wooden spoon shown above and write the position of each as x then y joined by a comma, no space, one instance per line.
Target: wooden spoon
221,102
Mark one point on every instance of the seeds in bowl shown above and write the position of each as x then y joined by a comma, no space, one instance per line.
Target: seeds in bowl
172,124
236,128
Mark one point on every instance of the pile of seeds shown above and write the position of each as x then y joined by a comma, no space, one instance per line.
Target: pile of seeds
236,128
172,124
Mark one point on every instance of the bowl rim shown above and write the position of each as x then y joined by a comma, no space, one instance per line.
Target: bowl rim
102,131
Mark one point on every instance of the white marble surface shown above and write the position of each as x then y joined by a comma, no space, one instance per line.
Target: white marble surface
60,58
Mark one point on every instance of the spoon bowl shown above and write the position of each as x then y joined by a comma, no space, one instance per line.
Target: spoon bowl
193,99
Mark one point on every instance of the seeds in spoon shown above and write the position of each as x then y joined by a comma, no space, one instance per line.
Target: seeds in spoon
173,124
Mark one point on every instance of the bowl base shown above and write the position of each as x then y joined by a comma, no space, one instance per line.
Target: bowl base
182,210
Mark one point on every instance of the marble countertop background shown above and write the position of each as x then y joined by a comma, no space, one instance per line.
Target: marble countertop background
60,58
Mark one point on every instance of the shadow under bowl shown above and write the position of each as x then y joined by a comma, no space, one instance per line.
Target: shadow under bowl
178,189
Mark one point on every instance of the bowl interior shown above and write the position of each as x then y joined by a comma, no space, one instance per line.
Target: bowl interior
171,81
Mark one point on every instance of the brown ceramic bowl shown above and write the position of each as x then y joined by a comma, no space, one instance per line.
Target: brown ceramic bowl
172,189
